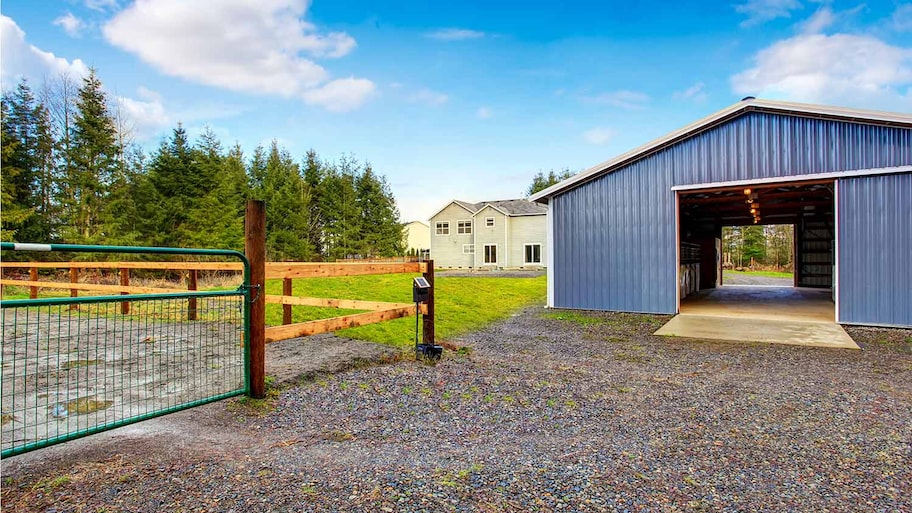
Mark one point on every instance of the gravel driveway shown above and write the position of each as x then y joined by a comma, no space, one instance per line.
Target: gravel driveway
578,413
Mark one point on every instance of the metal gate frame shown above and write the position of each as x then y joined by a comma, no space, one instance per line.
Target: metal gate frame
244,291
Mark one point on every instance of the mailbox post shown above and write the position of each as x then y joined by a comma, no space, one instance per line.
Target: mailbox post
421,291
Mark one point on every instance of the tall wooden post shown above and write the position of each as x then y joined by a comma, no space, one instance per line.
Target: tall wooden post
286,309
33,276
74,278
191,303
428,335
255,249
125,282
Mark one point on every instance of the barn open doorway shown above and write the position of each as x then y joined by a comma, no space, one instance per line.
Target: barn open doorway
730,237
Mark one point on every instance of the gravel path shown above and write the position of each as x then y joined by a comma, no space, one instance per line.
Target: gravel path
746,279
579,413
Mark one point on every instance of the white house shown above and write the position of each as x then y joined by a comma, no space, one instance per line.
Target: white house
417,238
489,234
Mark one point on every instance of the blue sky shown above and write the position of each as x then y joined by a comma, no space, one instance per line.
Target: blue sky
464,99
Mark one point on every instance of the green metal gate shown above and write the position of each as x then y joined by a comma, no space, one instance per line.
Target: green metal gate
72,367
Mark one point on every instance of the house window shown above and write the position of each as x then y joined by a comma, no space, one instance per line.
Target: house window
468,249
464,227
533,253
443,228
489,222
490,256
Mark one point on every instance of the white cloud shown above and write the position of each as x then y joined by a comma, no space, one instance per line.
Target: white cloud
902,18
629,100
341,95
761,11
428,97
101,5
257,47
72,25
146,116
820,20
455,34
599,135
483,113
696,92
19,59
843,69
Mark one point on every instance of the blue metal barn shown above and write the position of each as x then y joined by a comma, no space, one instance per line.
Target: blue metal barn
842,177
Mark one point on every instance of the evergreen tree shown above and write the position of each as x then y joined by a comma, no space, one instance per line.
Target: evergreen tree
173,187
541,181
381,233
313,176
340,210
93,156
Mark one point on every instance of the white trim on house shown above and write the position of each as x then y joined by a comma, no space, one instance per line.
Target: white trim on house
462,221
549,239
525,254
748,104
452,202
485,258
437,227
800,178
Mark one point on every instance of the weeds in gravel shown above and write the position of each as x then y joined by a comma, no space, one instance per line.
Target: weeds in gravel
574,317
251,407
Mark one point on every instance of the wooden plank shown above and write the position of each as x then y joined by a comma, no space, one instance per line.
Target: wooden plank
33,276
114,289
324,270
350,304
428,334
286,307
191,303
303,329
74,278
255,250
125,282
172,266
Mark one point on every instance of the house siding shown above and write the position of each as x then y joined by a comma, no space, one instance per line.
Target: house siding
417,236
527,230
446,250
614,241
495,235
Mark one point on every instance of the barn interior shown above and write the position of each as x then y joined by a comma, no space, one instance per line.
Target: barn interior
807,206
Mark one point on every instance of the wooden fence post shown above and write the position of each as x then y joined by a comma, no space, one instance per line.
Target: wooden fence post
33,276
255,249
74,278
191,303
286,309
428,335
125,282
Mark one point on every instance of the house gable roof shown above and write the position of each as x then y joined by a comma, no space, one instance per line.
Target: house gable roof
745,106
470,207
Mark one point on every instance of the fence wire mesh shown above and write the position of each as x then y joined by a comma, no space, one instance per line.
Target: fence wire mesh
69,370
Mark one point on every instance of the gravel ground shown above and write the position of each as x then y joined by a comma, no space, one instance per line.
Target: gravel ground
544,414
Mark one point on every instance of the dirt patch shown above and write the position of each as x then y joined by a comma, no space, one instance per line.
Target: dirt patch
295,360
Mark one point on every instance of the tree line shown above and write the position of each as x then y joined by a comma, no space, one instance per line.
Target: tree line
767,245
72,173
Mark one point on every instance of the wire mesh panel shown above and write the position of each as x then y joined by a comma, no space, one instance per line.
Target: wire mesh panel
76,366
66,373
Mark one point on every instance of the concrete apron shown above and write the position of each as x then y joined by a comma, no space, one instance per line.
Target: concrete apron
778,315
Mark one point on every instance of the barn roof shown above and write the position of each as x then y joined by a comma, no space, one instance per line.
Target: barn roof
749,104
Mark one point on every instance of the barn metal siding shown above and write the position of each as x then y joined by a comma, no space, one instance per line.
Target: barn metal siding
614,236
874,246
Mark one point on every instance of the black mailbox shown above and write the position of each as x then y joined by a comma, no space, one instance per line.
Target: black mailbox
421,290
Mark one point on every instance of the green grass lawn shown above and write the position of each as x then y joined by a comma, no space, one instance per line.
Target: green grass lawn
461,304
766,274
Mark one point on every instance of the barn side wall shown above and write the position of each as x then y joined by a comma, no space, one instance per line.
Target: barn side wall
614,237
874,250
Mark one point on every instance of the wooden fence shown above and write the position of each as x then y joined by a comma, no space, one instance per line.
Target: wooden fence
377,311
